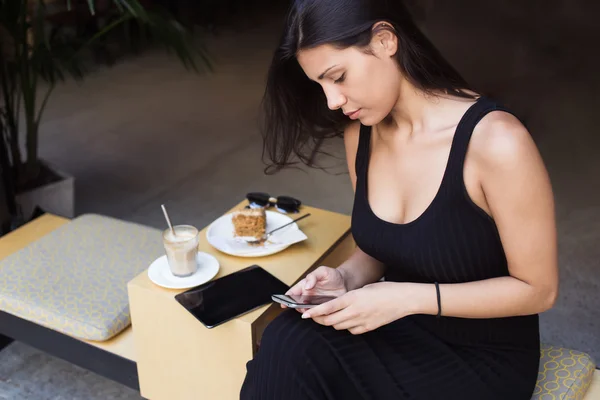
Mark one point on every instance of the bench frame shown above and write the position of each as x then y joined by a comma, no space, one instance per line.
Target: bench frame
68,348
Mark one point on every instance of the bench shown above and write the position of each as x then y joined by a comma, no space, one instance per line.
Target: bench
107,349
566,375
66,307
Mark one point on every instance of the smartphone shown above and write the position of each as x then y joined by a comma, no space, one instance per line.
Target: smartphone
294,301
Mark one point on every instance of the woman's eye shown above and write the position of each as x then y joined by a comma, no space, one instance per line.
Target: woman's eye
341,78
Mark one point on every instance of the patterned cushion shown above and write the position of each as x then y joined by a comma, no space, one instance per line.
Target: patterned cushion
74,280
564,374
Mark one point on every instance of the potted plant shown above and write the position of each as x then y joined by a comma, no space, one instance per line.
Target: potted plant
7,199
35,55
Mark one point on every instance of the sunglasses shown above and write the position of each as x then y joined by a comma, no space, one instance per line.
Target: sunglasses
284,204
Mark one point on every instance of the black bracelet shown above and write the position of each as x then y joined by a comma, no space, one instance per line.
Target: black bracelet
439,300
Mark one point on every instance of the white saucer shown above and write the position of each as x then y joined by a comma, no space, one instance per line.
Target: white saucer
160,273
220,235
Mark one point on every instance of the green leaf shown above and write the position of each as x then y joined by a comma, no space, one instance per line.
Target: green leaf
134,8
32,50
92,6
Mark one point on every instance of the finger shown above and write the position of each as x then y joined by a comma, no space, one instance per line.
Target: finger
326,308
358,330
315,276
335,319
296,290
347,325
344,316
310,282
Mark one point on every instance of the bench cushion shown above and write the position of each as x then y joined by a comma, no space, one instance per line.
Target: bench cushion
564,374
74,280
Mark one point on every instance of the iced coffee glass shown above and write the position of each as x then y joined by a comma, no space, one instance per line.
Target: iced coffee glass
182,249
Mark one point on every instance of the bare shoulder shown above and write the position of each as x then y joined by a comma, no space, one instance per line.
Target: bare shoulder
500,140
510,169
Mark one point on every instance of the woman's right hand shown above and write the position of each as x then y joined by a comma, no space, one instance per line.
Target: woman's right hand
323,281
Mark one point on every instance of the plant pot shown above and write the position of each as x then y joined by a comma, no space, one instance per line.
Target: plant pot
56,198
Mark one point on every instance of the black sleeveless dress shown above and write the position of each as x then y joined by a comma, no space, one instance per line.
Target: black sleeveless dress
418,357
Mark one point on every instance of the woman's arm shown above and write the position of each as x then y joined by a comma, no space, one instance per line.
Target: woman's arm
491,298
519,195
360,270
375,305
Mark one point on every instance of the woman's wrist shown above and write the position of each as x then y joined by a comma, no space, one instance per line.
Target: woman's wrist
422,298
346,277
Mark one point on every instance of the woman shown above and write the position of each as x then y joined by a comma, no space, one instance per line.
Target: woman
453,208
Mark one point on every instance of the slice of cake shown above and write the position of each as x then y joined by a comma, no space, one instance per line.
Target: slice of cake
249,222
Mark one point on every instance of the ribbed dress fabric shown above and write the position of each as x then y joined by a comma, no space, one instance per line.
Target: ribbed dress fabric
418,357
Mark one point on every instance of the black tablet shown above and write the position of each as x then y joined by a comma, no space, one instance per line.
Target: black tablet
223,299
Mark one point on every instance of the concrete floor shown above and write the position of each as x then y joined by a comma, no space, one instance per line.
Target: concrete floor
146,132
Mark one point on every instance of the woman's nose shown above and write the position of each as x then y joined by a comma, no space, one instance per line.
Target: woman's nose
335,100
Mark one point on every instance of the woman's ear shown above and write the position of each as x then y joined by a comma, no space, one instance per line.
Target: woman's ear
384,40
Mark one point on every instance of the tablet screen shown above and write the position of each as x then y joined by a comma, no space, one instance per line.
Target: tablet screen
223,299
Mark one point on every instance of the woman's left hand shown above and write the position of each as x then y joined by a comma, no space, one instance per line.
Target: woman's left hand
365,309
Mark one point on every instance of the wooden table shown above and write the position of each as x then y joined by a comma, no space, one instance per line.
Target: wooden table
178,358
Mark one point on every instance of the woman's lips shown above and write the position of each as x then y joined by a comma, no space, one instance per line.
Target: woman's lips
353,114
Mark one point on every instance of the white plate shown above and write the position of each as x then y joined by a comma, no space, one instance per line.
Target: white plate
220,235
160,273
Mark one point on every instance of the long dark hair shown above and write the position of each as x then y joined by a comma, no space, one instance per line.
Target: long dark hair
295,116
